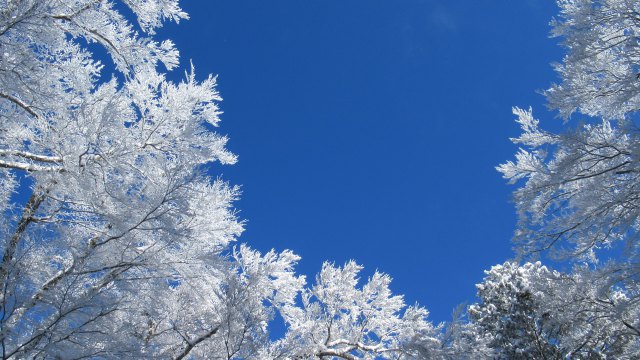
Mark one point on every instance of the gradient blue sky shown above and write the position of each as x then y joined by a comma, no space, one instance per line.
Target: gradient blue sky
370,129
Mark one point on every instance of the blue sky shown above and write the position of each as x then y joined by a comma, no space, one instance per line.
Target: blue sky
370,129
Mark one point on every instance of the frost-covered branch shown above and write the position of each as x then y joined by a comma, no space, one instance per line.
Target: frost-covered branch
20,104
31,156
194,343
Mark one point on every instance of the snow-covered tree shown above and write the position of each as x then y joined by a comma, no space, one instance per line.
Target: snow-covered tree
600,72
580,190
531,312
338,319
579,198
121,247
581,185
580,194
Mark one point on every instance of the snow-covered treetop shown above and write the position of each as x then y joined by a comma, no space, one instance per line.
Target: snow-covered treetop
600,72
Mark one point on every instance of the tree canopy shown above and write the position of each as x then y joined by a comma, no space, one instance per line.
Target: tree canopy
117,242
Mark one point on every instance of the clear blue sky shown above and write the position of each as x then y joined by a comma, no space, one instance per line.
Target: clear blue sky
369,129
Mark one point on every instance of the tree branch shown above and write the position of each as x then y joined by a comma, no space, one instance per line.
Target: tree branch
31,156
20,104
191,345
28,167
